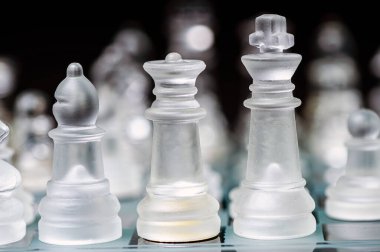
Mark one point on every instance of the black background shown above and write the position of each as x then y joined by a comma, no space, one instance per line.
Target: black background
45,39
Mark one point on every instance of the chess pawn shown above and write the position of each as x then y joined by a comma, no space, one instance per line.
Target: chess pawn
265,206
20,193
177,207
12,223
356,195
78,207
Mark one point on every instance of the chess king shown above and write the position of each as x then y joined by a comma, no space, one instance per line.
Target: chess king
272,202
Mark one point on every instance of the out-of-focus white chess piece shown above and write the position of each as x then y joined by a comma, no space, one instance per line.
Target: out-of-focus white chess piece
7,85
374,94
335,77
12,222
78,207
33,147
356,195
123,91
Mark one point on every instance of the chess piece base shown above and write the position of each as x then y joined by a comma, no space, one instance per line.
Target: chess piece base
79,214
178,219
12,224
354,198
353,211
274,214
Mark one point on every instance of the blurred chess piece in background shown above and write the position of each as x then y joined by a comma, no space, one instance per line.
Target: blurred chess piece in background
335,80
123,95
192,28
7,85
33,148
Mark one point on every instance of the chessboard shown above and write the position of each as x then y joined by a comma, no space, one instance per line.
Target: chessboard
331,235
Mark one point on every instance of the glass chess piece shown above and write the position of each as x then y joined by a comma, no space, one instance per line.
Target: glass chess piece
78,207
12,223
122,83
191,30
356,195
33,147
27,198
334,77
265,206
177,207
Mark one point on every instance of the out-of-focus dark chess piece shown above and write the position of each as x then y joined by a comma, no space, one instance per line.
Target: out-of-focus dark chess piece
123,94
334,78
191,27
30,141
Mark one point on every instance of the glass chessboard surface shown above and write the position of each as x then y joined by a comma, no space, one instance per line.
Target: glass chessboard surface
331,235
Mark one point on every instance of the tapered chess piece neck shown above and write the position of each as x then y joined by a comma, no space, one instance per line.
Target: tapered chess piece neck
265,206
186,212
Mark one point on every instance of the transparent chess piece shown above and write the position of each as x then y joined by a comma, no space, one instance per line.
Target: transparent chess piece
30,141
78,207
334,77
12,223
27,198
356,195
122,83
265,206
191,30
177,207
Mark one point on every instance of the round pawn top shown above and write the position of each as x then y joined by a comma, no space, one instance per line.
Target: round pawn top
173,57
270,34
364,123
77,100
74,70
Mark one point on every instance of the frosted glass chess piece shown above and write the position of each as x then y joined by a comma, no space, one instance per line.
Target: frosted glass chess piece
6,154
335,77
33,147
12,223
356,195
78,207
177,207
265,206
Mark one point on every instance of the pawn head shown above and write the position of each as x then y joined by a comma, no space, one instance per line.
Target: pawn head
364,123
